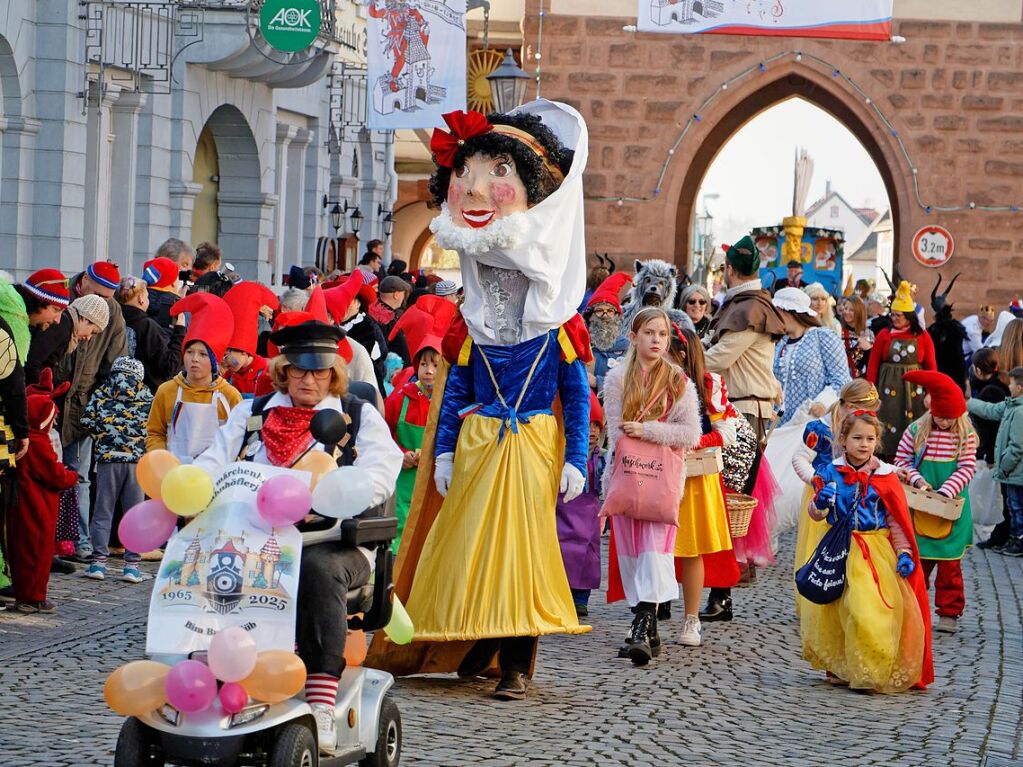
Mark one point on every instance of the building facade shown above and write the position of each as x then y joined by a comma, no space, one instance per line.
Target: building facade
125,123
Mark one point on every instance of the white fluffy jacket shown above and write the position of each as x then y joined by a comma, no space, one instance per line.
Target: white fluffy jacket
681,429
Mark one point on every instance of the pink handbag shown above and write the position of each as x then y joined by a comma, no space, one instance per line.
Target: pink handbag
646,481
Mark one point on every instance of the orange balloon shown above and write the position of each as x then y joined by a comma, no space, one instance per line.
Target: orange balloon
355,648
136,688
278,675
317,463
151,470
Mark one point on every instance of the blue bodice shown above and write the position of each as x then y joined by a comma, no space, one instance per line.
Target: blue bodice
817,436
858,499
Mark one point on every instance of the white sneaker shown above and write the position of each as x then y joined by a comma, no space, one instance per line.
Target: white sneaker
691,631
326,727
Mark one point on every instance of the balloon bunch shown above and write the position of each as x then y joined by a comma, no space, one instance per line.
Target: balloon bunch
174,489
191,686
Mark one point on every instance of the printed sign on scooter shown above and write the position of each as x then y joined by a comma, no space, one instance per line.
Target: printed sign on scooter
227,568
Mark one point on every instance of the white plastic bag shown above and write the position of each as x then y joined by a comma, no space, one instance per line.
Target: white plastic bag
985,496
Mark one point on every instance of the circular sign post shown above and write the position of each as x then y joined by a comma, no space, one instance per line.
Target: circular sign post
290,25
933,246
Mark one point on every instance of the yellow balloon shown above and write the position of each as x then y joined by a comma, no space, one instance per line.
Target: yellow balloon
151,470
136,688
187,490
317,463
399,629
278,675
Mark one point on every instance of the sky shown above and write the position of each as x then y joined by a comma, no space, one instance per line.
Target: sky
753,171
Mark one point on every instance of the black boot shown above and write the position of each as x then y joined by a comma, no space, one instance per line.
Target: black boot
664,611
62,566
479,658
719,606
643,627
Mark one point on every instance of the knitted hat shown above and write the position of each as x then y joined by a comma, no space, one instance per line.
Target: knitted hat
245,300
744,256
596,411
1016,307
104,273
425,324
903,301
50,286
947,400
212,323
368,291
94,309
608,291
340,298
130,366
445,288
160,272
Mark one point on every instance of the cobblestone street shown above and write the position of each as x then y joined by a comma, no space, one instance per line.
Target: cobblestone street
744,698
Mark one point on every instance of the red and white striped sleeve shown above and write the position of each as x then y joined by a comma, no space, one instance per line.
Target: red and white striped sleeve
905,455
966,467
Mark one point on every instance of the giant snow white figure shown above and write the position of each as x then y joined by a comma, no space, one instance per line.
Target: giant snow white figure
483,572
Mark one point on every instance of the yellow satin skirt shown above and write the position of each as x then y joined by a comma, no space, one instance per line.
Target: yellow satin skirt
809,532
491,565
702,518
873,635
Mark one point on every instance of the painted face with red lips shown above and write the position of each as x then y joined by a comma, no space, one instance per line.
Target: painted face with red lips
484,189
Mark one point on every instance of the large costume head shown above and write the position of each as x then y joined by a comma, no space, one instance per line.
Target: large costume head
510,189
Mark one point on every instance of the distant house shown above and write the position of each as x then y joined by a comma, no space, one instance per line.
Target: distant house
833,211
872,252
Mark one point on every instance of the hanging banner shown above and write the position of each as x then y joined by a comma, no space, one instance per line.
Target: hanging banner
416,62
227,567
843,19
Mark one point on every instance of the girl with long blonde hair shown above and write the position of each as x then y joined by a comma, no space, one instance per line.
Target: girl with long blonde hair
647,398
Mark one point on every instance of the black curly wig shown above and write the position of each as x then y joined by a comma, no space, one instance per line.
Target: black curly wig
538,181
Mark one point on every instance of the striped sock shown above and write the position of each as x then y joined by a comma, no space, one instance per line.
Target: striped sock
321,688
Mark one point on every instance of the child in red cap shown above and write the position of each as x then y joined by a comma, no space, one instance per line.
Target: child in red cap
939,451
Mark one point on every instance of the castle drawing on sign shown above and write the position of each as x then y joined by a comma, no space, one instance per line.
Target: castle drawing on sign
664,12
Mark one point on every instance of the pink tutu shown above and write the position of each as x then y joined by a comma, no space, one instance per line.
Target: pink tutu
755,547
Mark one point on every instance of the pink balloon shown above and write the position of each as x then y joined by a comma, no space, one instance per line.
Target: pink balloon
191,687
146,526
233,697
283,500
232,654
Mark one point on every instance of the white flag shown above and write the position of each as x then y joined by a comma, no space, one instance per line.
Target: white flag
416,62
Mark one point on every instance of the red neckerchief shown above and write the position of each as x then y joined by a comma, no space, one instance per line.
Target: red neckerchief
286,434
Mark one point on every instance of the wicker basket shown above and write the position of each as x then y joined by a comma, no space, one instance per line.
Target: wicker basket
740,512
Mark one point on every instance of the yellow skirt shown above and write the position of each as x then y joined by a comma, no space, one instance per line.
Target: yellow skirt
702,518
491,565
873,635
808,535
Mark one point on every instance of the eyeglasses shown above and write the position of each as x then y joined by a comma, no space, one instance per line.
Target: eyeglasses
298,373
696,302
604,312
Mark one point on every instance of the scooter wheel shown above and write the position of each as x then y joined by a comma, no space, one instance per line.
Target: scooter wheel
137,746
388,749
294,746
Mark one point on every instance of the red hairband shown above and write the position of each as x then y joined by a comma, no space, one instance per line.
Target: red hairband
865,412
678,333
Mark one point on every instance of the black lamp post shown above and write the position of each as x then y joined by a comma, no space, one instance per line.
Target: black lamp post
387,221
356,222
508,84
337,213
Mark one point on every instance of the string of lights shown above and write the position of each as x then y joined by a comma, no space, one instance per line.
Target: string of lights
538,56
836,72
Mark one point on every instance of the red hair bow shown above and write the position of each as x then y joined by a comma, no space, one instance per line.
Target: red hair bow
864,412
464,126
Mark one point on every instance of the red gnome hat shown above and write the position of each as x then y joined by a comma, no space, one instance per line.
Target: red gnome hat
607,291
596,411
317,305
947,400
340,298
212,322
425,324
245,300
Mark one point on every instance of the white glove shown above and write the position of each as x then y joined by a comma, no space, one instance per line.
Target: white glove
572,482
443,468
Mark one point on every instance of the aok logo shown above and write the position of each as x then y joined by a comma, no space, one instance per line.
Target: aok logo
291,18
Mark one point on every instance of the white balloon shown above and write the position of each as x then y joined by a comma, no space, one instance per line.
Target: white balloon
343,493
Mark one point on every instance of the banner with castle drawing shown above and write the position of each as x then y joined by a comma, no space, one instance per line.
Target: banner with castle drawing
849,19
416,62
227,567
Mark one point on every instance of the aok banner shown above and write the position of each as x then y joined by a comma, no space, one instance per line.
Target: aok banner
416,62
846,19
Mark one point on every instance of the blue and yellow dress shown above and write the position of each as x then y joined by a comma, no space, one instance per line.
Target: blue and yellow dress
491,564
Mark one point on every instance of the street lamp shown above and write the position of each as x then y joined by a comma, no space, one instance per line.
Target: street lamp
337,213
508,84
387,221
356,222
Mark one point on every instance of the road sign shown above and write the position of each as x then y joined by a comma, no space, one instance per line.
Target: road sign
290,25
933,246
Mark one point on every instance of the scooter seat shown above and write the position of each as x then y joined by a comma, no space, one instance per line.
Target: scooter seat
359,600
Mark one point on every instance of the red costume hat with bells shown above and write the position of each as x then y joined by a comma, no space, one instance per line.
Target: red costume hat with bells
947,399
340,298
607,292
49,285
245,300
425,324
211,322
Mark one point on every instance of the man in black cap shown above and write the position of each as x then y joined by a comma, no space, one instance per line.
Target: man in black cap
794,278
309,376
